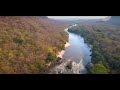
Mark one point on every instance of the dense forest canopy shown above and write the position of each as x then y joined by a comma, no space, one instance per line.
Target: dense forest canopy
28,43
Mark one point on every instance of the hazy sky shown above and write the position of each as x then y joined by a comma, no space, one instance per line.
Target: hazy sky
76,17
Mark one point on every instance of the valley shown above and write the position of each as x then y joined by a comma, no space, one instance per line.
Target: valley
41,45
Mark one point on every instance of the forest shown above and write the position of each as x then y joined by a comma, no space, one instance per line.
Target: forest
29,43
105,43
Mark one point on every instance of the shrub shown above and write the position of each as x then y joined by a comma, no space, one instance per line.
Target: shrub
69,66
18,40
51,57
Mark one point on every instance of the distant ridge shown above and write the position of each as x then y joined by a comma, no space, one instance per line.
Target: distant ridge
115,20
107,18
45,17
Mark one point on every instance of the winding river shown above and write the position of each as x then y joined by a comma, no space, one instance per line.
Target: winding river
78,52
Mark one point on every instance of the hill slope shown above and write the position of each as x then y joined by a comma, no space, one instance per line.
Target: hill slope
26,41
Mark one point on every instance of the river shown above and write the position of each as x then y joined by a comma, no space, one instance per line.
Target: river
78,52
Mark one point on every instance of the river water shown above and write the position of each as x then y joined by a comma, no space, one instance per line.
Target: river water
78,52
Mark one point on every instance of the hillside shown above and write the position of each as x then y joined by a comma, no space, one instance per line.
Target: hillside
27,43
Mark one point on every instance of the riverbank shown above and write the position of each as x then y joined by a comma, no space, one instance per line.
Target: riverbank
50,65
61,53
78,52
94,40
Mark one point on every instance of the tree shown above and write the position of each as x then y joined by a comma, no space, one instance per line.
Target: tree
98,69
51,57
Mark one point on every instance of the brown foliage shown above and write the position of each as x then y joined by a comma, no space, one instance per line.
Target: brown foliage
25,42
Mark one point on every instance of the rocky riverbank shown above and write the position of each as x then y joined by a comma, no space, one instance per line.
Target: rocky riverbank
68,67
61,53
59,59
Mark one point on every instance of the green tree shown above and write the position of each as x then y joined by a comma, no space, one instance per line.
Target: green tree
98,69
51,57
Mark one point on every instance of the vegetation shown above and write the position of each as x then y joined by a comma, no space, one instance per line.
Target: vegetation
27,43
98,69
105,42
69,66
51,57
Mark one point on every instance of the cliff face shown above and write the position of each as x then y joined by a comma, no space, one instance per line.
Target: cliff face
25,42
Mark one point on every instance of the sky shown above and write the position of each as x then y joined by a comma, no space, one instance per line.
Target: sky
76,17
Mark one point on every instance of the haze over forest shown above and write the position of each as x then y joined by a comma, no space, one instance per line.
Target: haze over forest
77,17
